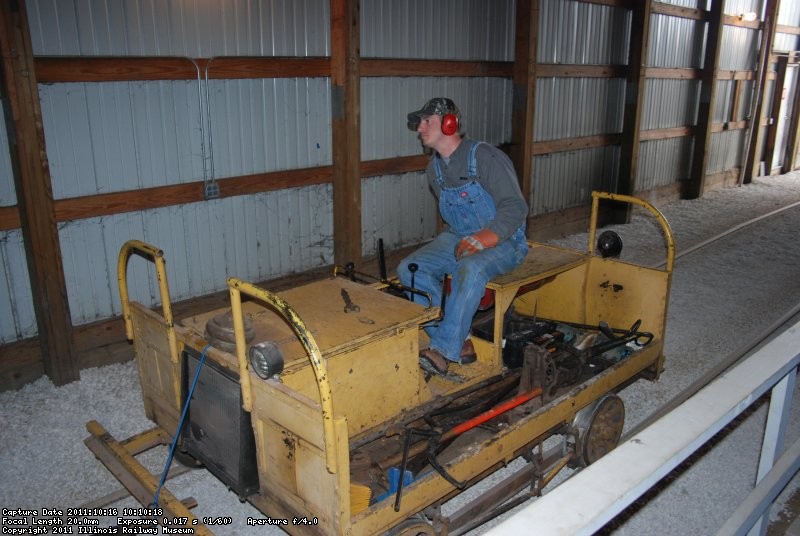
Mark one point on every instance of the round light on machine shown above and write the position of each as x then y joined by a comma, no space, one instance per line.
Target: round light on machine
266,359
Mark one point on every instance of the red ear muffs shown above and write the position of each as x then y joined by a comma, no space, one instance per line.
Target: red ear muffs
449,124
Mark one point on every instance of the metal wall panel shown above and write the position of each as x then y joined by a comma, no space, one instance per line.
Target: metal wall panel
255,237
663,162
739,48
738,7
669,103
675,42
484,103
723,101
268,125
118,136
789,15
180,27
570,107
576,32
726,150
400,209
445,29
124,136
685,3
17,317
567,179
8,194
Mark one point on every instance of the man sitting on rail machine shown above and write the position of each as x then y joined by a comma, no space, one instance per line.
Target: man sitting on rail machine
481,203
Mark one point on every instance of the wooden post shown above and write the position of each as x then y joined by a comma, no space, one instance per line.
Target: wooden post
346,116
793,135
632,119
523,114
35,195
774,114
695,186
751,160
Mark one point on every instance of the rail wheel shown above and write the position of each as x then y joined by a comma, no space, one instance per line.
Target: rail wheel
413,526
598,428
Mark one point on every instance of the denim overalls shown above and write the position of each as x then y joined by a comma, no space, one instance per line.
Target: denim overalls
466,209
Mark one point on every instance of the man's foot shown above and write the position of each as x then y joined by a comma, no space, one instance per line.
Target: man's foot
432,361
468,354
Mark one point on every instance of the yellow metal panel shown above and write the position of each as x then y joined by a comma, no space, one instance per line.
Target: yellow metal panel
289,409
157,373
621,293
275,448
370,383
562,298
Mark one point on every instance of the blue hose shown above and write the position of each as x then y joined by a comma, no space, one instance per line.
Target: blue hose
180,426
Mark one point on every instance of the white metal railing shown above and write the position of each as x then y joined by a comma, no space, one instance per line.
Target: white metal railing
612,483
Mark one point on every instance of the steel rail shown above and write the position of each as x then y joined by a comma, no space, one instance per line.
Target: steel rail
734,357
723,234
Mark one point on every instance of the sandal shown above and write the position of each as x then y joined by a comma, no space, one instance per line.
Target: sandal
432,361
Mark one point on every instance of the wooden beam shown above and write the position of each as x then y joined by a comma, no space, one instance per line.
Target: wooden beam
575,144
559,70
673,73
792,30
90,206
634,97
35,194
394,67
346,117
523,108
666,133
751,159
662,8
793,133
695,186
774,119
50,70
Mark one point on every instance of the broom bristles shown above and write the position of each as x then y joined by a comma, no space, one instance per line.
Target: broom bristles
360,497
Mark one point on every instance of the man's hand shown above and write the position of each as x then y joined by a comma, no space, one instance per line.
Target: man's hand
477,242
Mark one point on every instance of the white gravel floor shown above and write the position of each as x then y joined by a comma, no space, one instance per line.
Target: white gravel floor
721,296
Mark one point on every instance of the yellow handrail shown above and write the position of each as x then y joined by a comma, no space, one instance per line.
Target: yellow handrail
157,257
236,287
669,239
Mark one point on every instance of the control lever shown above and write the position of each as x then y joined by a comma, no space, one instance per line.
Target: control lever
413,267
350,271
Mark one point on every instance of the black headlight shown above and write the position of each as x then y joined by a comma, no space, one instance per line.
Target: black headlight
266,359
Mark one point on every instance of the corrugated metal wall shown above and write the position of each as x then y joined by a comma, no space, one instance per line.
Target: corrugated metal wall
17,319
400,209
577,33
108,137
789,15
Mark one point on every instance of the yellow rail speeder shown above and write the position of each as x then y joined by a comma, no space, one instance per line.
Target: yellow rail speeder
349,403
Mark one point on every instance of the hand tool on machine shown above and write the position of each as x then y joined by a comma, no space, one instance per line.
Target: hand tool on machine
641,338
354,275
436,437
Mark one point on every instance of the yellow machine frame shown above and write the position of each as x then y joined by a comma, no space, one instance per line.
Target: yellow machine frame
303,440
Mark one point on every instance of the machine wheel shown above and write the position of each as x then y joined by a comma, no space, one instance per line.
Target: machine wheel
186,459
413,526
598,428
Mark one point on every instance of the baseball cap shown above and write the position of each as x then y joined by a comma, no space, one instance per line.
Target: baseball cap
436,106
